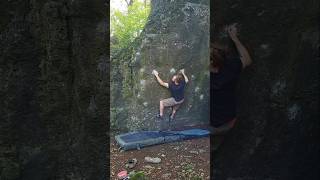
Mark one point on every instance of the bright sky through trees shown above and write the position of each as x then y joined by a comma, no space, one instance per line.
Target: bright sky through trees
127,21
120,5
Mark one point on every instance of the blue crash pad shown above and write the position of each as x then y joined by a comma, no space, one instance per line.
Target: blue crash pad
139,139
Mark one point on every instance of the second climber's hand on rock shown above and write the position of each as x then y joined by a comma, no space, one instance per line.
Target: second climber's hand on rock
233,31
182,71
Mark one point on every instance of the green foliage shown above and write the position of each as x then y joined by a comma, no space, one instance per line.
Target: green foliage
126,26
138,176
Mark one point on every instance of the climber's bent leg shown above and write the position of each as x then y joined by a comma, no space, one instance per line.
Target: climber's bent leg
175,108
161,109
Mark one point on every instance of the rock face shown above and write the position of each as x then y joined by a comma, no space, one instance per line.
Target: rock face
54,85
278,127
176,36
54,89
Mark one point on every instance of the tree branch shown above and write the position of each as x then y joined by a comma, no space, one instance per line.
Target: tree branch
129,2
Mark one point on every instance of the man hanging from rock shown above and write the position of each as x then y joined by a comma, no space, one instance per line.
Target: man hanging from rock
228,57
176,86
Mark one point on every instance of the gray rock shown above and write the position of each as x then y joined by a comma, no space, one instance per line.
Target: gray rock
155,160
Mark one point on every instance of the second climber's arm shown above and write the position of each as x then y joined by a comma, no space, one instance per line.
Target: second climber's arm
244,54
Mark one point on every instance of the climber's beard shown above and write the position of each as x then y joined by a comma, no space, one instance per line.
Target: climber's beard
217,61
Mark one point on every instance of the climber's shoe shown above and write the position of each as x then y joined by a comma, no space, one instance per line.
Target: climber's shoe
159,116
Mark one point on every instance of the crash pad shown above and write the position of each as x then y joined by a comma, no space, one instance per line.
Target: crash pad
139,139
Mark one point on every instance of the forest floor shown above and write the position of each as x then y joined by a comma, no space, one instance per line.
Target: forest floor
184,160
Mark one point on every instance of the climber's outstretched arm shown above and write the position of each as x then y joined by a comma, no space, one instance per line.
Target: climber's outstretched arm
244,54
184,75
162,83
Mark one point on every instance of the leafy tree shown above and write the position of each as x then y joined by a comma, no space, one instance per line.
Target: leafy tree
126,26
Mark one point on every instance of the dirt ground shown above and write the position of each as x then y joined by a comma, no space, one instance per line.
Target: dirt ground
182,160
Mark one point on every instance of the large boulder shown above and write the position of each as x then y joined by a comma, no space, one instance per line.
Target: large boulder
176,36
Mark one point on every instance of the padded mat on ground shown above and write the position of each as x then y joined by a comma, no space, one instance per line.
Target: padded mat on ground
139,139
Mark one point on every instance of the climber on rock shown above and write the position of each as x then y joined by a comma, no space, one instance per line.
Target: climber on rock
228,56
176,87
